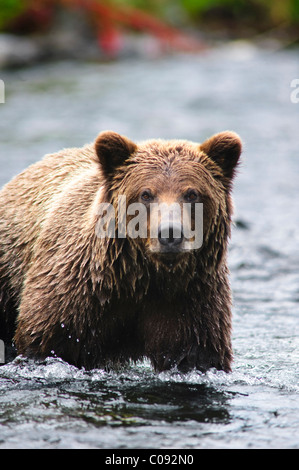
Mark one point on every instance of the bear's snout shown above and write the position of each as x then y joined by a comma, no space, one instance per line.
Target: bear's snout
170,236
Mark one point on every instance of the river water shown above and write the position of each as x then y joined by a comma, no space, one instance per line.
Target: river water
51,404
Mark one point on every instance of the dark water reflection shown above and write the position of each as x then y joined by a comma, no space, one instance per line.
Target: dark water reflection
174,403
118,399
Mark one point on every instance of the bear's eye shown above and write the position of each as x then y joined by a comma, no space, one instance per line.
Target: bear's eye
191,195
146,196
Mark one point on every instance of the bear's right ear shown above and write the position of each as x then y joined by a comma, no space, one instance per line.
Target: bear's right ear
112,150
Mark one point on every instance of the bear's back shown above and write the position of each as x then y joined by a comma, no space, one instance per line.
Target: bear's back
25,203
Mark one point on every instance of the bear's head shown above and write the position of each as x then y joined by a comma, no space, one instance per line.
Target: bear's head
171,199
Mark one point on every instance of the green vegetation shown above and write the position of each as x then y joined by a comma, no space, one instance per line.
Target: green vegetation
258,14
10,10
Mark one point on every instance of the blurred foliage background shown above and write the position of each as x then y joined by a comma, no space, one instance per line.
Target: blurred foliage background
256,14
172,21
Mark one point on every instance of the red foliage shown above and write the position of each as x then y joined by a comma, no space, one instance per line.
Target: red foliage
108,19
139,20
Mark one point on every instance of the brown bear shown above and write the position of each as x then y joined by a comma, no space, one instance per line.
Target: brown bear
99,300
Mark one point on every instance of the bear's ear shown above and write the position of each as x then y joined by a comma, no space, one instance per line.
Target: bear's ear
225,150
112,150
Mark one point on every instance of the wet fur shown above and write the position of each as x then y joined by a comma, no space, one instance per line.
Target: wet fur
97,303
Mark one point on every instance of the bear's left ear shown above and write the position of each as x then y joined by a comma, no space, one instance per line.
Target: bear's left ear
112,150
224,149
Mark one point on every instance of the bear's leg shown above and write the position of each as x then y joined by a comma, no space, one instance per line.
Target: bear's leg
8,316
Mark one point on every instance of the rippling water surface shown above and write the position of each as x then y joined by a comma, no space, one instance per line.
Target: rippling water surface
51,404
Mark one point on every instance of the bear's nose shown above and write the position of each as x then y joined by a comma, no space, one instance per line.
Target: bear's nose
170,235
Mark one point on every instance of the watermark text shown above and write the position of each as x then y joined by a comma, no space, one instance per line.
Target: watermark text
161,221
295,93
2,92
2,352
